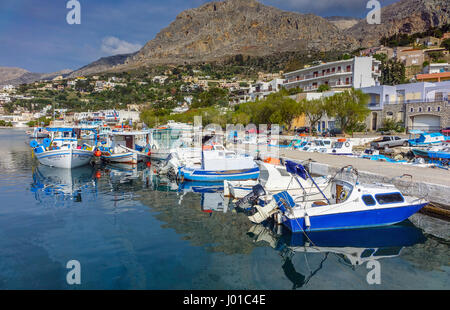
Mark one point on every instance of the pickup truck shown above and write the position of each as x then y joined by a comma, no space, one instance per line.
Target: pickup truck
389,141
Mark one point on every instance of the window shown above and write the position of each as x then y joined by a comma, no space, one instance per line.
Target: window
389,198
368,200
429,109
367,252
438,109
411,110
420,109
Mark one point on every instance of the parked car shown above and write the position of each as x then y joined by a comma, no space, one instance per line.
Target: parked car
332,132
302,130
389,141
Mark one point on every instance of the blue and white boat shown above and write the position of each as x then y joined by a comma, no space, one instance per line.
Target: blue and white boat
62,149
426,139
349,205
438,153
125,147
220,166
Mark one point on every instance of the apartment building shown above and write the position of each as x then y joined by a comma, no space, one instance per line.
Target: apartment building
357,72
422,105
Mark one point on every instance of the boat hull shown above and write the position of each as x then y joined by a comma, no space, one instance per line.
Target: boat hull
215,176
353,220
65,158
123,158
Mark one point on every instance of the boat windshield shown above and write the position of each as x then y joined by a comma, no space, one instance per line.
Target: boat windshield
338,145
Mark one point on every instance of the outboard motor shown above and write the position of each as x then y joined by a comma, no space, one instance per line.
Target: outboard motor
252,197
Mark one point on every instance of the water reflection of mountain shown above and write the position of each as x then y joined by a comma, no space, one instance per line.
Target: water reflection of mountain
353,248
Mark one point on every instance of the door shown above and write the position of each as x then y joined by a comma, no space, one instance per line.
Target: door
427,122
129,142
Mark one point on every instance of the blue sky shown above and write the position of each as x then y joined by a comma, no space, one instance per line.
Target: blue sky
34,35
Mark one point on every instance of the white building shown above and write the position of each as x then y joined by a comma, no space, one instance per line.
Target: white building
4,98
436,68
261,90
357,72
8,88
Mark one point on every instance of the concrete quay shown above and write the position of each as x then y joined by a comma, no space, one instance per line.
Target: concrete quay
432,184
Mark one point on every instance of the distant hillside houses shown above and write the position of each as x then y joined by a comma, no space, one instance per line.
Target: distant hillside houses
109,116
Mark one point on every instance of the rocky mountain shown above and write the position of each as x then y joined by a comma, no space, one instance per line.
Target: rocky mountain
10,73
343,23
219,29
101,65
405,16
17,76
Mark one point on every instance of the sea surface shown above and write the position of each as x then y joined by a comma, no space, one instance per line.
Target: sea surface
130,229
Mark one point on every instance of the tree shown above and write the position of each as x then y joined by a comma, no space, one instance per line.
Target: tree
349,109
314,110
323,87
446,44
392,72
436,55
285,109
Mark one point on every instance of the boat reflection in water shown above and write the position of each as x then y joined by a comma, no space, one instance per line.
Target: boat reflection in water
353,248
212,198
63,183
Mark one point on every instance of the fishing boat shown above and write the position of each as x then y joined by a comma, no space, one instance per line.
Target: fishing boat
436,153
274,178
426,139
62,149
123,147
38,133
186,156
340,147
350,205
102,131
220,166
169,138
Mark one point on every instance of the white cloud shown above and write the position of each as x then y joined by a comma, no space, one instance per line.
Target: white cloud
115,46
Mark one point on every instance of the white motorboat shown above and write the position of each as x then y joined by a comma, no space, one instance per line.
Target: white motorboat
274,178
349,205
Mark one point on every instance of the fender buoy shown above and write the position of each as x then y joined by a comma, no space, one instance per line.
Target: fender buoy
153,147
46,142
98,153
34,144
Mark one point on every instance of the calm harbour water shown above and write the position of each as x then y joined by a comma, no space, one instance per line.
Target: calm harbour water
131,230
